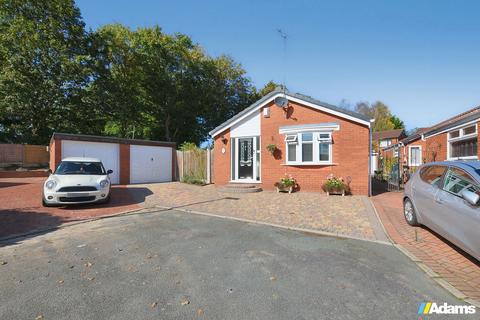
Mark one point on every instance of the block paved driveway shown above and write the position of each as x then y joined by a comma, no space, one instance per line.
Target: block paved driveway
175,265
449,262
21,208
351,215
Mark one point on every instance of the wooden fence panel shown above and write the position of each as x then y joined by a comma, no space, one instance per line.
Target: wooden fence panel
35,154
194,164
11,153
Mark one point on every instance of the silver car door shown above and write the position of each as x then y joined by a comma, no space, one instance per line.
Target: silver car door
425,189
458,220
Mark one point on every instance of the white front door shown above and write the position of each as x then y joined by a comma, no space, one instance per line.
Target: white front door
246,159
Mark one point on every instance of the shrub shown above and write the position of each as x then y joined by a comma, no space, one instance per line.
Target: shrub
192,180
287,181
335,185
271,148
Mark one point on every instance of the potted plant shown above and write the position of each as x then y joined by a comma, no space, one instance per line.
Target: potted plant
336,185
271,148
287,184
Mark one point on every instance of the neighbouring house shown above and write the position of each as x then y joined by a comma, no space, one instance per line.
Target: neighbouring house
410,150
383,139
381,143
132,160
311,140
453,139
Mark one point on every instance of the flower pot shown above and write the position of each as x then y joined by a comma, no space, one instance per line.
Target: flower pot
284,189
336,191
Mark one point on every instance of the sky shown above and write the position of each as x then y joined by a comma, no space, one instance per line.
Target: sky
419,57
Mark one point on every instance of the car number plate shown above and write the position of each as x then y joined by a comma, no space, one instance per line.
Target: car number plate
77,195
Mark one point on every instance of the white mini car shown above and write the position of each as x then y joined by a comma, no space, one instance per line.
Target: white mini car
75,181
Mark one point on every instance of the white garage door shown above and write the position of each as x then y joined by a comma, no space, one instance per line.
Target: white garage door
107,152
150,164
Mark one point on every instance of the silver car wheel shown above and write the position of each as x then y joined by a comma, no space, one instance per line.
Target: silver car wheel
408,211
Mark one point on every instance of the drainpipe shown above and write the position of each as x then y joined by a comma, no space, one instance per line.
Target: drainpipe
370,157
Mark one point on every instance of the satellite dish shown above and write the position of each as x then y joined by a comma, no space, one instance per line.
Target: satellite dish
281,102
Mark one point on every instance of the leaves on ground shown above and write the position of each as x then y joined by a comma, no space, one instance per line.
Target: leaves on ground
153,305
184,302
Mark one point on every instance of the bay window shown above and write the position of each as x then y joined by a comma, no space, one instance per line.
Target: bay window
462,143
306,148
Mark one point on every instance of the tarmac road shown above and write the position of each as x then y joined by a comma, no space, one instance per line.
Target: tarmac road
175,265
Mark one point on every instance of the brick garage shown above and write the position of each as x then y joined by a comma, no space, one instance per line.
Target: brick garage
132,160
350,144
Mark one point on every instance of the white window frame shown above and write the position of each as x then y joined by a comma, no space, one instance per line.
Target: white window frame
462,136
410,163
388,142
291,138
315,147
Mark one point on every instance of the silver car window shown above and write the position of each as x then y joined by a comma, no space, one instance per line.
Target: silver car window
457,180
432,174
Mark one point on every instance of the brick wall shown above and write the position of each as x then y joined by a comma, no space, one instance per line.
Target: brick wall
436,148
350,151
124,163
222,160
55,150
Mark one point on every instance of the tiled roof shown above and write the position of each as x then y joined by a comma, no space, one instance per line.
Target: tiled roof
459,119
388,134
299,96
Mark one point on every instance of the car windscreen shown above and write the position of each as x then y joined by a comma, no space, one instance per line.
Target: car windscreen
79,167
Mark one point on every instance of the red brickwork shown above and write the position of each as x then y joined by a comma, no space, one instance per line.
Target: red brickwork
124,163
55,150
222,160
350,151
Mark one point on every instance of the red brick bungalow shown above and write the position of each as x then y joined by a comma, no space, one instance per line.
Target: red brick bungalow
313,139
453,139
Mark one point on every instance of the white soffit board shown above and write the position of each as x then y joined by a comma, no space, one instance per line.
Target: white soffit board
327,126
248,127
150,164
108,153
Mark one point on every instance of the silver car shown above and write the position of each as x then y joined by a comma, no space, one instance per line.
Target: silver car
444,196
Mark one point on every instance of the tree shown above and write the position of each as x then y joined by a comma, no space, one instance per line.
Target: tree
269,87
397,122
380,112
44,66
118,90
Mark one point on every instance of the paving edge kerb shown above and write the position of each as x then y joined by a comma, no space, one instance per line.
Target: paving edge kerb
432,274
312,231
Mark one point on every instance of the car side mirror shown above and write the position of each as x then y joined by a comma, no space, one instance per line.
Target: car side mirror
109,171
471,197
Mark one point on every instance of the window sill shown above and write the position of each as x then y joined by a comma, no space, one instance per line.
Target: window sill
301,164
463,158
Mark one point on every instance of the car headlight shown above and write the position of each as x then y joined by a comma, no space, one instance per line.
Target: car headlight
50,184
103,183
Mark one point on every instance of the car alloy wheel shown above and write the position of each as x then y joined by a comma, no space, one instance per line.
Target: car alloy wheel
409,212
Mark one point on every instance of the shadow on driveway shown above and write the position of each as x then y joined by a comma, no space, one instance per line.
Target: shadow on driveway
21,209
